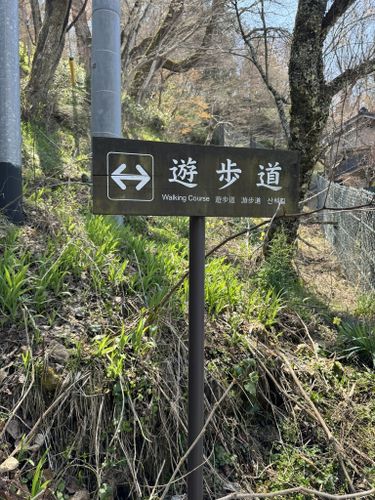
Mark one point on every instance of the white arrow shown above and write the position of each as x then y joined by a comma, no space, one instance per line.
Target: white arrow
119,176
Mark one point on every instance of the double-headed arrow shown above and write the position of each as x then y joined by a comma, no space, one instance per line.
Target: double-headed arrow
119,177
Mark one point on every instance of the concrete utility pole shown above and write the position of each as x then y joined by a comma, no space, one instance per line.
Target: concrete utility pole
106,71
10,113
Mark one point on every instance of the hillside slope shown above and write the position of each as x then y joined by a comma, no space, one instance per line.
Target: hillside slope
93,376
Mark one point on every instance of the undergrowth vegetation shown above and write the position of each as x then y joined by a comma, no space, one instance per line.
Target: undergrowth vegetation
93,380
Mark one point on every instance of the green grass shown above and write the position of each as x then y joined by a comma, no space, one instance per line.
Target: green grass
156,266
14,285
357,340
116,349
50,278
303,466
14,277
264,306
223,289
38,485
46,153
277,272
366,306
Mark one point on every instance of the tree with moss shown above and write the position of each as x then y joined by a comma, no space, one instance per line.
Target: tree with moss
317,44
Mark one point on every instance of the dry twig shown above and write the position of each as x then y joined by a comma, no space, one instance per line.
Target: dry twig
299,489
57,401
184,457
331,438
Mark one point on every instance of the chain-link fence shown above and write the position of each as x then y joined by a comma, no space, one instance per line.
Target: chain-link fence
351,233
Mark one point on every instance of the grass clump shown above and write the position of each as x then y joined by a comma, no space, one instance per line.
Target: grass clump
223,290
156,265
279,275
47,153
50,278
357,340
264,306
366,306
277,272
14,282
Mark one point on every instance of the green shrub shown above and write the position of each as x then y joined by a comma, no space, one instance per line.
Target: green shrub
302,466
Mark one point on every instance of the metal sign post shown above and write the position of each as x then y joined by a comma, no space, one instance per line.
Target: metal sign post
196,356
197,239
155,178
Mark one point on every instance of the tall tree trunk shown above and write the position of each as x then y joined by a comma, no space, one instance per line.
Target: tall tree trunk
310,94
83,35
151,62
47,54
309,98
37,18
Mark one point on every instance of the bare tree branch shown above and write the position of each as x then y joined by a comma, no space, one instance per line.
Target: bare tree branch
350,76
83,8
265,38
149,50
280,101
274,31
338,8
190,62
174,12
129,34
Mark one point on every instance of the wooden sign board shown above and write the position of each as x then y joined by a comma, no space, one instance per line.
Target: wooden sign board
156,178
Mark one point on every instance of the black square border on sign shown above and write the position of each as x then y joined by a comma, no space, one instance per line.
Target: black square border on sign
152,176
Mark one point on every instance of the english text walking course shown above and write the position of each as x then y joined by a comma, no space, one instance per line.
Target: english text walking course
157,178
